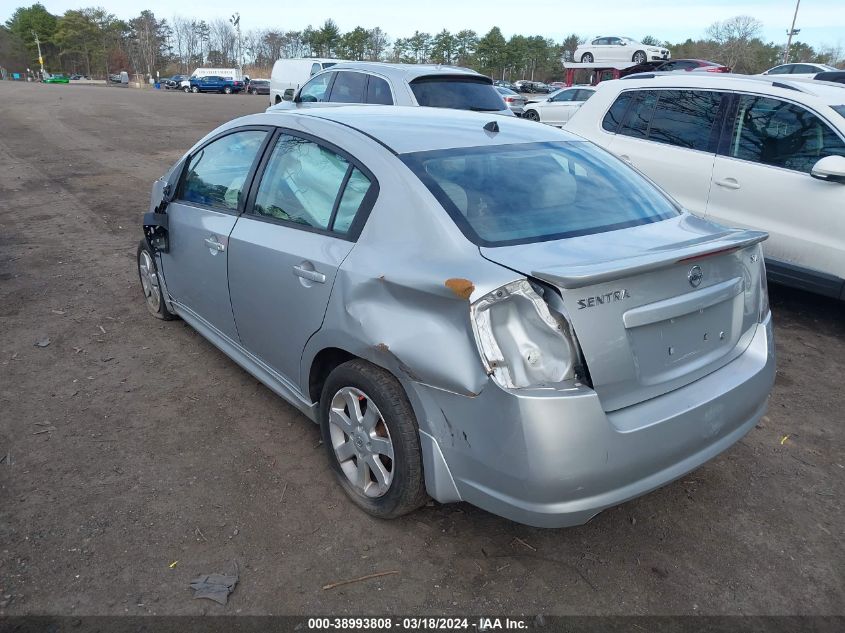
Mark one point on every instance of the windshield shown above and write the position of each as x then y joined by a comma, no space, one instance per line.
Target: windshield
458,92
533,192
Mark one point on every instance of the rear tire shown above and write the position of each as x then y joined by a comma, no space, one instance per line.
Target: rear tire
386,418
227,90
639,57
532,115
187,90
194,89
587,58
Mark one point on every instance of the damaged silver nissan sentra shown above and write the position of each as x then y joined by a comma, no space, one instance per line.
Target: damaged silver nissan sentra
489,311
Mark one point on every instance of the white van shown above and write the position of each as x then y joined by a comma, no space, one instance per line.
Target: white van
289,74
229,73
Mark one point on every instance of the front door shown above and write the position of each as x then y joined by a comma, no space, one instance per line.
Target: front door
761,180
286,249
200,219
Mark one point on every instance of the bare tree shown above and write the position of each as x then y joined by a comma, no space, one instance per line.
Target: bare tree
735,38
222,42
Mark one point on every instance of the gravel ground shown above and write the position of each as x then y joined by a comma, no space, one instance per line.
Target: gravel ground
134,456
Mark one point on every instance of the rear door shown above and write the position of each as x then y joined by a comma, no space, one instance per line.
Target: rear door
208,200
671,136
301,221
761,179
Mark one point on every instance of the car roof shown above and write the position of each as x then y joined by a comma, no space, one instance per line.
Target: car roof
827,92
404,129
406,72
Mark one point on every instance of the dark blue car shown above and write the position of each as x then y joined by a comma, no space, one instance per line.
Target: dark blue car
214,83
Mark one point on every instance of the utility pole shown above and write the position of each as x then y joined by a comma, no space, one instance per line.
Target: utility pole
236,22
40,58
792,31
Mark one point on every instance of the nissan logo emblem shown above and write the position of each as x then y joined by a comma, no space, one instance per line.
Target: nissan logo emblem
695,276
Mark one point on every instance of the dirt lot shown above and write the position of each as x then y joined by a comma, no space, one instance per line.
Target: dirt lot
135,456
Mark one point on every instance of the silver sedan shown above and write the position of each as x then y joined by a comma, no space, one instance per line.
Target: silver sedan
381,270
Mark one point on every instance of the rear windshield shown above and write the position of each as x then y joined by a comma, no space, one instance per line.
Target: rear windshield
534,192
460,93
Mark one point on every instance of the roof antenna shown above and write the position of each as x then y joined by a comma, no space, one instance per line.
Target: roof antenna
492,127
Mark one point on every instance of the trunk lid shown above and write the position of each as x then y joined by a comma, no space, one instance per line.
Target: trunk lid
653,307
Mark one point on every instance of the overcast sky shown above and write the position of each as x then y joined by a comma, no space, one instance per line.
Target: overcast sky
820,21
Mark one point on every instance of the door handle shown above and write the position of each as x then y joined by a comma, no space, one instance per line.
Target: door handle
728,183
310,275
213,244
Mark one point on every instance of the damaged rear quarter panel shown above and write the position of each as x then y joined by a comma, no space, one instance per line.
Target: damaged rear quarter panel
401,298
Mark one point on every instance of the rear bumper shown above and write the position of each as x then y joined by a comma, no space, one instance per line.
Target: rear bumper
554,458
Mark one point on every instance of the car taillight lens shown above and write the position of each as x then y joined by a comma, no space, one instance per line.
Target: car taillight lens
764,292
521,343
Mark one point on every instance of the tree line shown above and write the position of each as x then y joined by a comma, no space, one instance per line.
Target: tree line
94,42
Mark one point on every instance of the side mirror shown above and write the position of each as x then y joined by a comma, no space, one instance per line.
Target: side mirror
830,169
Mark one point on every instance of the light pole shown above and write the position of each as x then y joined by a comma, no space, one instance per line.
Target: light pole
236,22
40,59
792,31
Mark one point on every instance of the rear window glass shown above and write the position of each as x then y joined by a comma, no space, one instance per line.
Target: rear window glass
840,109
378,91
533,192
460,93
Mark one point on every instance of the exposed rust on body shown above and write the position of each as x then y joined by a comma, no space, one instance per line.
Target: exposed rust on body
461,287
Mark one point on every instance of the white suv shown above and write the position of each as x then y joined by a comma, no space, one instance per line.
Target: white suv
759,152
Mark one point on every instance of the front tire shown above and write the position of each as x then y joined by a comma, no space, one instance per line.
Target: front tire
532,115
194,89
639,57
187,90
227,90
587,58
372,439
150,284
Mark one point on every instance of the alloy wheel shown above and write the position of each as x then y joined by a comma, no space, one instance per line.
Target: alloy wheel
149,281
361,442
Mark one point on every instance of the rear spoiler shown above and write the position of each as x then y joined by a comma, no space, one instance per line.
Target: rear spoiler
600,272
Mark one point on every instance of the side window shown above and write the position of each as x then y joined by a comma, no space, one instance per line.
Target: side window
566,95
348,87
782,134
614,41
596,42
684,118
350,202
803,69
315,68
781,70
301,183
639,115
216,174
378,91
315,89
583,95
617,111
